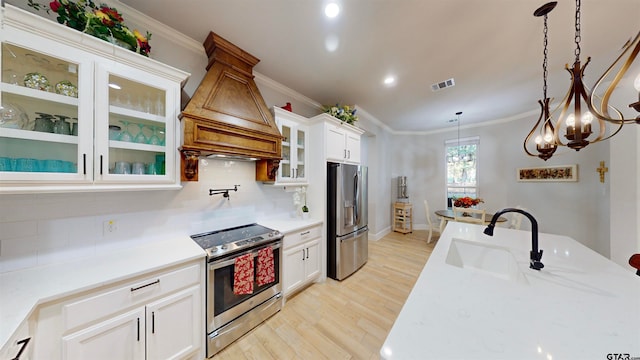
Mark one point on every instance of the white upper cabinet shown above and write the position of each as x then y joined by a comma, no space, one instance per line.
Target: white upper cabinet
341,140
81,114
295,151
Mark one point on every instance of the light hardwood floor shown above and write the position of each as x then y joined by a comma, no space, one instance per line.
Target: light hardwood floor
347,319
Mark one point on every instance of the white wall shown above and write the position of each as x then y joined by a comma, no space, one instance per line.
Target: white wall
576,209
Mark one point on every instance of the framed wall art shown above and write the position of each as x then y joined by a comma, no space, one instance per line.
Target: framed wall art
548,173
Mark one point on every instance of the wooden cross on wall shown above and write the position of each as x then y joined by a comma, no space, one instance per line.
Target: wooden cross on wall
602,169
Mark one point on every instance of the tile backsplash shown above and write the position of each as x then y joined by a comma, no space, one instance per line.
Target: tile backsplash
39,229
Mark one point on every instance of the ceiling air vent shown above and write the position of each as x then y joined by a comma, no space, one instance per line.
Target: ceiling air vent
443,85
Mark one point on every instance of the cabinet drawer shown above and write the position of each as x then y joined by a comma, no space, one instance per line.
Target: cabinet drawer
111,301
300,236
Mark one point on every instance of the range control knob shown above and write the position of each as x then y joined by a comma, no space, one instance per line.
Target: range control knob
223,247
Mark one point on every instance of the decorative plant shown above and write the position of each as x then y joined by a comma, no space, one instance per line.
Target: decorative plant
300,198
466,202
345,113
103,22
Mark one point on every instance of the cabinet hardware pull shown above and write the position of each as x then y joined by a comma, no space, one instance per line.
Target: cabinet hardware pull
24,343
100,164
84,164
307,253
305,233
153,322
138,329
302,254
345,153
349,154
144,286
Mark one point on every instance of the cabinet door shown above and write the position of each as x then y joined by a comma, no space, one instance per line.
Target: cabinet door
312,260
46,118
135,126
353,147
294,153
293,268
335,143
285,171
121,337
174,325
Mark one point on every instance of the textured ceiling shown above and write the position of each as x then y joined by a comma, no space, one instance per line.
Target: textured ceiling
492,48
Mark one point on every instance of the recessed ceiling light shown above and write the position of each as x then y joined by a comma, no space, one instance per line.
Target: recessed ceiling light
332,10
390,80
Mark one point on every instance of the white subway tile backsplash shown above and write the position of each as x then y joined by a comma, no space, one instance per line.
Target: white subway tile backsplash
40,229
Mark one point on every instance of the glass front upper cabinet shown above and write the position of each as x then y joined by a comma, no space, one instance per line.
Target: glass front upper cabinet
46,120
135,130
79,113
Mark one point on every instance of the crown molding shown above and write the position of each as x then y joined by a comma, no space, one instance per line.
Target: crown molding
267,81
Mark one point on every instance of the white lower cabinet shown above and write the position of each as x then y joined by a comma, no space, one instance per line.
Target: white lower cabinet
302,259
164,329
20,346
159,315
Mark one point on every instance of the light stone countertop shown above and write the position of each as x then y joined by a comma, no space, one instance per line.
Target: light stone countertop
22,291
287,226
579,306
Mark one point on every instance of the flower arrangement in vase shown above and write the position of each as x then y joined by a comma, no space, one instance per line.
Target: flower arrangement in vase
103,22
466,202
345,113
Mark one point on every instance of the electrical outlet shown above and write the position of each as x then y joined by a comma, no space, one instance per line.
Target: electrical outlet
109,227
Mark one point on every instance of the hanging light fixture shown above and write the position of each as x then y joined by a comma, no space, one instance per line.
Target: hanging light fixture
542,132
578,125
601,110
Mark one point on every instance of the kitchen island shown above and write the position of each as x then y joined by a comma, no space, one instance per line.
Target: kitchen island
476,298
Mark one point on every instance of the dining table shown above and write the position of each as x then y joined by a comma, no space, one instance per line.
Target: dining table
446,215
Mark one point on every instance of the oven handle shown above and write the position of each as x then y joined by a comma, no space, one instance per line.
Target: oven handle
232,259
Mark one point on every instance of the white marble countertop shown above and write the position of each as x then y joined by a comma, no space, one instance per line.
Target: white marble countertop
579,306
22,291
287,226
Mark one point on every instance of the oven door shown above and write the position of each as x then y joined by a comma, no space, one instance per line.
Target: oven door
222,304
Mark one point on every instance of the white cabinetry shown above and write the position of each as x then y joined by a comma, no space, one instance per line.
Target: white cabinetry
302,258
341,140
295,155
20,346
97,105
156,316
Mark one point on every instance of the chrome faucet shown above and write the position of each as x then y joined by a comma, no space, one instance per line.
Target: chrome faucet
534,255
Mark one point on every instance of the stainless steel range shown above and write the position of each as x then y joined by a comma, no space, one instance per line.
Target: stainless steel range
229,314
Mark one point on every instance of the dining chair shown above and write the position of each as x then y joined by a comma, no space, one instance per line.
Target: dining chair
430,227
477,215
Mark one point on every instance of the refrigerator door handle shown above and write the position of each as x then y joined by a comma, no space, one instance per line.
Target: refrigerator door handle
356,195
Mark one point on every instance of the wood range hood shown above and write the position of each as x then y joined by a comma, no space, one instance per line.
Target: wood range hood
227,114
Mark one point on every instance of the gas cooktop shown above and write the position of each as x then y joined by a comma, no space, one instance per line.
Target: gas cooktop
221,242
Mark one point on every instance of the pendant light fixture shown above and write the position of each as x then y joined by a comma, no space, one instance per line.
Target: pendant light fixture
577,126
542,134
599,105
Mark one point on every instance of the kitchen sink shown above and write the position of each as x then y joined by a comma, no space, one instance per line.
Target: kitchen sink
486,259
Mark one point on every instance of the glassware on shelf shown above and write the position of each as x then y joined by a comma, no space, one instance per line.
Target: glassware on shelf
138,168
140,137
163,138
154,139
43,123
35,80
122,167
13,116
114,132
74,127
160,105
125,135
152,169
26,165
10,76
61,125
65,87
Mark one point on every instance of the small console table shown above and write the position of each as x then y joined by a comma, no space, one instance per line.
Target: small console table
403,217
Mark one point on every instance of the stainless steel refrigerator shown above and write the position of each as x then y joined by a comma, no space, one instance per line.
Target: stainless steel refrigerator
347,230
